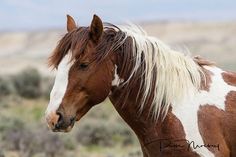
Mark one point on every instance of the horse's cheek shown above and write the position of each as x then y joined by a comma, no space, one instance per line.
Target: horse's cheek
98,90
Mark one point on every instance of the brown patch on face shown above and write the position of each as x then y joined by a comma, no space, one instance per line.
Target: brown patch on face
86,88
92,50
89,83
229,78
74,103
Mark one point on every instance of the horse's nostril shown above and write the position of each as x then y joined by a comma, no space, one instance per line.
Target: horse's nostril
72,120
60,117
63,122
59,121
57,126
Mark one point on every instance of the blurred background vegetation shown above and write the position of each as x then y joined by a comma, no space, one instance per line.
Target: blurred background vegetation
30,29
23,131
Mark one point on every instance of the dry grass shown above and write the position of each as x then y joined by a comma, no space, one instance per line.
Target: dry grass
15,111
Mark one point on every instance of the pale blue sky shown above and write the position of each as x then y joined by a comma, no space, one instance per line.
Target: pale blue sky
42,14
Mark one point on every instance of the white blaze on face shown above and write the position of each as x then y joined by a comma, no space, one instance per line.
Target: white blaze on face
60,85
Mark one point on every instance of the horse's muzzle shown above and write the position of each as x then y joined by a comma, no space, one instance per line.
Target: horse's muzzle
57,122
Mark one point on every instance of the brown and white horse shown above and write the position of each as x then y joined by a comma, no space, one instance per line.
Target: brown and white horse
178,106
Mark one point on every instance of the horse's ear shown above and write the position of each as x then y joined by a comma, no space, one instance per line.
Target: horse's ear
96,28
71,25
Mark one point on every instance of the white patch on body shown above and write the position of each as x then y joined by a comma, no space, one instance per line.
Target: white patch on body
187,111
60,85
117,80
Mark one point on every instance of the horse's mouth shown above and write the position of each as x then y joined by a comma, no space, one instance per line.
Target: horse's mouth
67,128
64,126
64,129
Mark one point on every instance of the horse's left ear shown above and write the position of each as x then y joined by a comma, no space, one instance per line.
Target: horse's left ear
71,25
96,28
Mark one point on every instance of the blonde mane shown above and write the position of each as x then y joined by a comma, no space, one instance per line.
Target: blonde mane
167,76
170,75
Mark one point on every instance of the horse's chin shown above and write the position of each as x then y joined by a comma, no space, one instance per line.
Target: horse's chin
68,129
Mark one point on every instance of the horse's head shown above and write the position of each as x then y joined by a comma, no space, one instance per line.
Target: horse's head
82,80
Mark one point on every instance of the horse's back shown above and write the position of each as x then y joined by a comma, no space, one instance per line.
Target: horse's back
217,122
229,119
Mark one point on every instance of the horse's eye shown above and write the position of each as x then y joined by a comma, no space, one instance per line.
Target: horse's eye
83,65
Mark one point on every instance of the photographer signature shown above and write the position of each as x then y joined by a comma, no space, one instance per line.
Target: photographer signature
184,144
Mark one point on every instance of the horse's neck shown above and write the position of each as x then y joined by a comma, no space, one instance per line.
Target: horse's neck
149,133
140,124
145,128
129,108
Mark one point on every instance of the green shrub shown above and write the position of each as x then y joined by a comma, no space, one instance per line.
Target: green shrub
94,132
12,133
103,133
47,84
1,153
121,133
69,141
5,88
101,111
29,140
28,83
10,124
136,153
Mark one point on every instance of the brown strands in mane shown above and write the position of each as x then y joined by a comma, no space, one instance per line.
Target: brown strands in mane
143,60
113,40
68,42
78,39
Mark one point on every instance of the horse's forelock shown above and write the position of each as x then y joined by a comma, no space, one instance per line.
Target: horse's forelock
70,41
79,38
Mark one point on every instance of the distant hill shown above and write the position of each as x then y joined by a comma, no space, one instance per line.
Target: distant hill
215,41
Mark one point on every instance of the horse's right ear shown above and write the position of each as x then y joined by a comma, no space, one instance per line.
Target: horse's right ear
96,28
71,25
